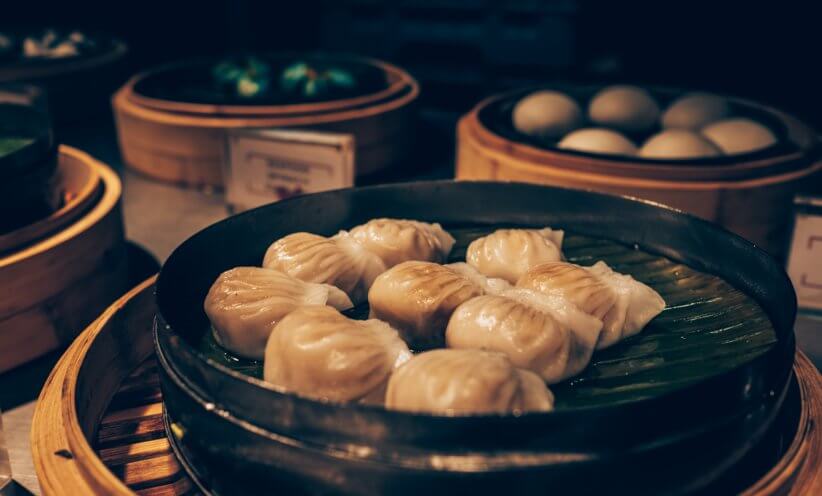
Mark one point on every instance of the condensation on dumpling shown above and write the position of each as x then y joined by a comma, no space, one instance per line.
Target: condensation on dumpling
400,240
509,253
623,304
460,382
417,298
245,303
546,335
319,353
338,261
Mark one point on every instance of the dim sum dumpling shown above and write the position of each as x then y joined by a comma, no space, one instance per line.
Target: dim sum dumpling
398,240
642,303
624,304
245,303
509,253
318,352
489,285
463,382
547,335
417,298
339,261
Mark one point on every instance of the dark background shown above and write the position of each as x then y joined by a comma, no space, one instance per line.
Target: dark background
462,50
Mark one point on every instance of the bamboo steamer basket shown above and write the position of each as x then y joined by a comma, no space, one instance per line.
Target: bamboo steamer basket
113,349
79,186
55,286
184,143
752,197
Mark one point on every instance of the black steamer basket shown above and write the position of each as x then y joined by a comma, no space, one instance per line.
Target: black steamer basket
250,437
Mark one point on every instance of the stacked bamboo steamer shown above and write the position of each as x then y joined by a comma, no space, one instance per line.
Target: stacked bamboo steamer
751,194
183,142
60,272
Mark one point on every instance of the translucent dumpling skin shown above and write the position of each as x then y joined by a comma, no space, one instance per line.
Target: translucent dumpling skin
245,303
624,305
546,335
417,298
581,286
509,253
338,261
457,382
320,353
398,240
489,285
641,304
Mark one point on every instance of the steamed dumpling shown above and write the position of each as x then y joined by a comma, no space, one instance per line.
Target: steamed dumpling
318,352
624,304
547,335
598,140
417,298
398,240
457,382
678,144
245,303
489,285
625,108
739,135
695,110
509,253
546,114
339,261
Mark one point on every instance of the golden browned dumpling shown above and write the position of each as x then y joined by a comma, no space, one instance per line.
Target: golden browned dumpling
398,240
245,303
624,304
320,353
339,261
509,253
545,334
454,382
417,299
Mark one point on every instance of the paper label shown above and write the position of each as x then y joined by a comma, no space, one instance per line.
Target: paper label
267,165
805,260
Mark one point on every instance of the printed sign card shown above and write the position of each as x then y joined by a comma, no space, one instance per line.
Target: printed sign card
805,260
267,165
